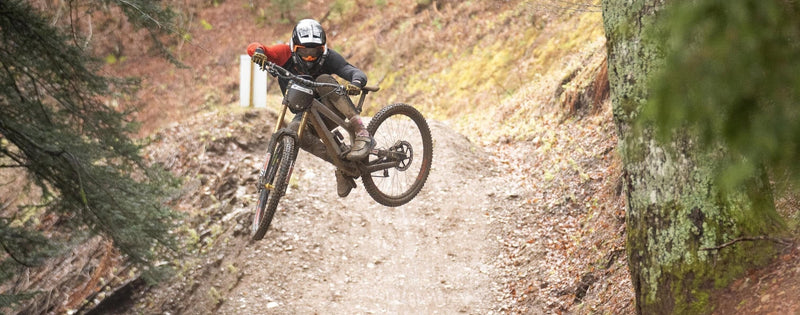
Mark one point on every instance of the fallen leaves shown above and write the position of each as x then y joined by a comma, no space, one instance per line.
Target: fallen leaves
565,226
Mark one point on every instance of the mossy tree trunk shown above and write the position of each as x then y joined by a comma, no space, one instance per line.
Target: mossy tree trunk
675,211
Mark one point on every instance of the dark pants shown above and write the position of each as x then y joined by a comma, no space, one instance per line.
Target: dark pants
337,103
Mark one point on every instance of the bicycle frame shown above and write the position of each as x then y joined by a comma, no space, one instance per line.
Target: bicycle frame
391,161
314,115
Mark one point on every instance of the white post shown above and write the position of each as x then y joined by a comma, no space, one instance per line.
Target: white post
252,84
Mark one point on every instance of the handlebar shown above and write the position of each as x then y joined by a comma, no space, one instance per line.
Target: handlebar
278,71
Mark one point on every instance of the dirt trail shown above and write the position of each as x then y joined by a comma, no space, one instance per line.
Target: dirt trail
330,255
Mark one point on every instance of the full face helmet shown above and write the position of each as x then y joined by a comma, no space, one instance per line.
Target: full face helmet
308,44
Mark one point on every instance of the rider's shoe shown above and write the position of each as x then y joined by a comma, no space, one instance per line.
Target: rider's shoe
361,147
344,184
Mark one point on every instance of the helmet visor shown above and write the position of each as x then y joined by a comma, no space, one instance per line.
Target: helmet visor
308,53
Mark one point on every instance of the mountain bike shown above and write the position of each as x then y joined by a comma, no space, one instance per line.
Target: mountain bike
393,173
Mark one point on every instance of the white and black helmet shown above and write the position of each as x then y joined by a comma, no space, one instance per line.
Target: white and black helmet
309,46
308,33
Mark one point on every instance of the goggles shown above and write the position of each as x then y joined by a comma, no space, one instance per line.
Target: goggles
309,53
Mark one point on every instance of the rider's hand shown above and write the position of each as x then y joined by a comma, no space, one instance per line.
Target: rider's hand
260,58
353,88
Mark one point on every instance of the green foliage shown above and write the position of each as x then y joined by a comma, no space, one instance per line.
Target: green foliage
24,247
731,76
157,20
341,9
206,26
77,149
437,22
12,300
290,10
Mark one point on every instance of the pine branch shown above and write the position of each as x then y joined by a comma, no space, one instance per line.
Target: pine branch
14,166
14,257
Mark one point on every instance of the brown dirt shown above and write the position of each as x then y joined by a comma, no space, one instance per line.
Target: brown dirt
773,290
325,254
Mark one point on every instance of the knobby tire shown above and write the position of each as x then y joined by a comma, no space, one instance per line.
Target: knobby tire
278,171
400,123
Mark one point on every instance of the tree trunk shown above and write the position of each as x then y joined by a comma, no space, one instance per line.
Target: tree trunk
676,213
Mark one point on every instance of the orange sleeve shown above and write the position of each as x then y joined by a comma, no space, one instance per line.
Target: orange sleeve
251,49
278,54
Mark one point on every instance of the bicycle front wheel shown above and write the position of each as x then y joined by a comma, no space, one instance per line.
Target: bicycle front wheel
272,183
400,128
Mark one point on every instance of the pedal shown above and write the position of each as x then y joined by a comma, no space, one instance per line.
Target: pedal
339,138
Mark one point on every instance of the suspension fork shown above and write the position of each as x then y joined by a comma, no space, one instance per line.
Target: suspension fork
279,124
302,127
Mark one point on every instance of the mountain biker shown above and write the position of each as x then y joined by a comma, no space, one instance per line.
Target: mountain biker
308,54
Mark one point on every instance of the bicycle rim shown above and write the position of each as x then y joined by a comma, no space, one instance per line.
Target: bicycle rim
400,128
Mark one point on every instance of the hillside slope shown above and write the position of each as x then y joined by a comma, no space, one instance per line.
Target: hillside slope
525,74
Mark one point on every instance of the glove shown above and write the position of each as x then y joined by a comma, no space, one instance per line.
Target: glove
251,48
260,58
353,88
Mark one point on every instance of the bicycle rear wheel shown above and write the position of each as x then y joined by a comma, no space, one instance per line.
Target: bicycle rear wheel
402,129
272,183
